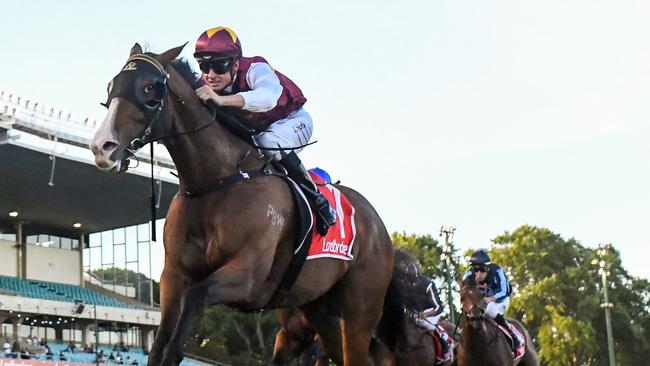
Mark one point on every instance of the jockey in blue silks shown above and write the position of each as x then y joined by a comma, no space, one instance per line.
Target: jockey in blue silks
492,277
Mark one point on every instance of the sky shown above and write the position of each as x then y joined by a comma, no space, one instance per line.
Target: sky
479,115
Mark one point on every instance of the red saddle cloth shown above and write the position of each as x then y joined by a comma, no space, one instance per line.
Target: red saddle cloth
340,238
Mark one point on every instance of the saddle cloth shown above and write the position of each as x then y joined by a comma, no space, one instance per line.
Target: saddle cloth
522,339
440,335
338,241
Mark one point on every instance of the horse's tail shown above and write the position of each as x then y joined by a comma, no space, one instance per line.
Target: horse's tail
400,299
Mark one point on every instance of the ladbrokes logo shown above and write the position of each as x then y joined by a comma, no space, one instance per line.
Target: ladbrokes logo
334,247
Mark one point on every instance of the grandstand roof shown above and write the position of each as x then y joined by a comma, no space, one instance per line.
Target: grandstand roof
79,191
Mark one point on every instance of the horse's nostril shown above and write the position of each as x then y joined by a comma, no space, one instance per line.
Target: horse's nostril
109,146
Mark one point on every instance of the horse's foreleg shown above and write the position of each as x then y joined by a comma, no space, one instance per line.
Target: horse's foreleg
220,287
191,303
171,289
284,349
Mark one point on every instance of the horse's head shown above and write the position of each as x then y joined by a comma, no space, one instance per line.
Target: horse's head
138,111
473,303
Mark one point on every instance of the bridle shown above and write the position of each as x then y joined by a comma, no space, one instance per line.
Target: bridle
155,105
153,108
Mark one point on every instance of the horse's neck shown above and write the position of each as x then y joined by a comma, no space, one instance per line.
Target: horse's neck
204,156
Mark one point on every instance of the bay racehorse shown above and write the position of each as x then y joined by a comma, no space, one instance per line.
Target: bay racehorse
482,342
221,245
298,339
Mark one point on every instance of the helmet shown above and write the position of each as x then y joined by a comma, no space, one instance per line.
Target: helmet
217,42
479,258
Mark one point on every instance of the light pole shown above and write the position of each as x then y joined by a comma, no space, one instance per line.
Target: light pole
604,271
96,336
447,252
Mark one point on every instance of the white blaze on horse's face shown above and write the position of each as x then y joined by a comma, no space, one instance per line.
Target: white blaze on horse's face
105,141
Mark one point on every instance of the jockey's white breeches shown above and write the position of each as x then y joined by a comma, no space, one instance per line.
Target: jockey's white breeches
430,322
295,130
495,308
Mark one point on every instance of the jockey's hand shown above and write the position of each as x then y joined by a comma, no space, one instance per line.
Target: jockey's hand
205,93
490,299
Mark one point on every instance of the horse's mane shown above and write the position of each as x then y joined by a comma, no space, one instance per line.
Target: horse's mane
402,299
182,66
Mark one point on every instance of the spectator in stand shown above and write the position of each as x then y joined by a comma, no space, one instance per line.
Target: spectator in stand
111,356
48,353
62,356
25,355
7,348
15,349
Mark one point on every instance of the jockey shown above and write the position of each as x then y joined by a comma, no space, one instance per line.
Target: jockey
273,100
432,310
485,273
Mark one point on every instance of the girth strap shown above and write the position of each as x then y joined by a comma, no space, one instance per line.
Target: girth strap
242,175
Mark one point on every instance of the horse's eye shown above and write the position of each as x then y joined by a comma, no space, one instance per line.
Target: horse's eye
148,89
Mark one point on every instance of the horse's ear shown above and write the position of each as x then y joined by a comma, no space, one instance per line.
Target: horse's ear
171,54
136,49
459,282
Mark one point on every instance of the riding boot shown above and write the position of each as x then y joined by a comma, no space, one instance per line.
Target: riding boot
502,322
325,214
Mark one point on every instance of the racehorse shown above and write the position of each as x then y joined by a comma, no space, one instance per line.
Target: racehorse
298,339
221,244
400,340
482,342
410,343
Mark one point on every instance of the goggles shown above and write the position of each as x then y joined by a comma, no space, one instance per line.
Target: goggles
481,269
220,67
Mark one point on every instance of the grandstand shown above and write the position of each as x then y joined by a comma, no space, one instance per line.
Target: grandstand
61,220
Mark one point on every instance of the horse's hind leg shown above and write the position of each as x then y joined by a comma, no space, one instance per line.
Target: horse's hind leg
362,305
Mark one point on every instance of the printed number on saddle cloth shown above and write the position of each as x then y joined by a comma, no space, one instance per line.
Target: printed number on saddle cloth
339,240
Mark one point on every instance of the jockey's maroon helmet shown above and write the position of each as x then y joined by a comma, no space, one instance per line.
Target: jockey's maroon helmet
217,42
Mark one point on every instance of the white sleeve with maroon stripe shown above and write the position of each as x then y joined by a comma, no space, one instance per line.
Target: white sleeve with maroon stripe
265,88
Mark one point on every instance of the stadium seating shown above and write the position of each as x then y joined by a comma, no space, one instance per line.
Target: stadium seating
58,292
89,358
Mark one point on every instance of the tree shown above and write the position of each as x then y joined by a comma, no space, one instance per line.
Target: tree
128,278
233,337
557,295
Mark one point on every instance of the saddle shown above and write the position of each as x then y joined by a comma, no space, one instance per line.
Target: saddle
337,243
